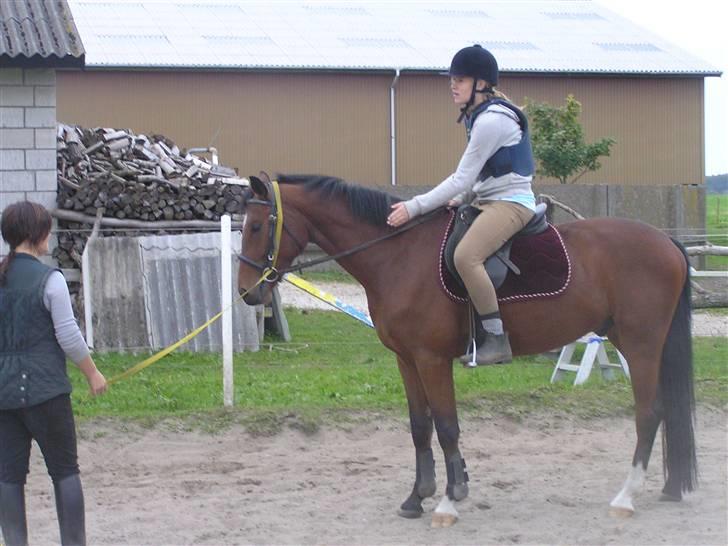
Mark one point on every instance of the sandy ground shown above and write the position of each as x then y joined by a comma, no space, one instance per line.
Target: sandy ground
548,480
545,481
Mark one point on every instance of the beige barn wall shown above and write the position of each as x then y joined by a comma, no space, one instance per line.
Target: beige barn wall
657,122
335,124
338,123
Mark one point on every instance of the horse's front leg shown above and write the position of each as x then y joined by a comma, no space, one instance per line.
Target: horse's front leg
421,428
437,380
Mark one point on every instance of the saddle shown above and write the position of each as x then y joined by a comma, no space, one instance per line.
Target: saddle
533,263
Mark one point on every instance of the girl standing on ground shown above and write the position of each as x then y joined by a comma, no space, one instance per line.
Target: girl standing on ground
37,332
494,175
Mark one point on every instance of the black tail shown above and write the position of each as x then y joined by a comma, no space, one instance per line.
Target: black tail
678,398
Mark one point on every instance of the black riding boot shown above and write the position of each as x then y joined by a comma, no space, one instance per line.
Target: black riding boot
70,509
493,347
496,349
12,514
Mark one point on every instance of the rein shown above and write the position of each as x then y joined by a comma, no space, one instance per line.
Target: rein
421,220
276,229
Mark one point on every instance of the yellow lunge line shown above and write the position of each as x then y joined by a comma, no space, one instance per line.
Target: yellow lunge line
164,352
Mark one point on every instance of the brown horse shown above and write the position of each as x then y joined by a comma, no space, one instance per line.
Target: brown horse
627,279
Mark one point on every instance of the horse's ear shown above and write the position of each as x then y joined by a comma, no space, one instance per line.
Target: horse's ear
264,176
259,187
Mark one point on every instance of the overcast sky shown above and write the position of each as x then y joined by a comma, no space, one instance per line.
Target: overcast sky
699,27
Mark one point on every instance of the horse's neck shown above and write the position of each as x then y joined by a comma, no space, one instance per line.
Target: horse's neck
336,230
337,233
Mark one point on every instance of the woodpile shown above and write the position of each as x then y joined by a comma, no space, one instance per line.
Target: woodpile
138,179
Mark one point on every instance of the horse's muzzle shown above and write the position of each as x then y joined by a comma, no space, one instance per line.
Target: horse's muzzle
259,295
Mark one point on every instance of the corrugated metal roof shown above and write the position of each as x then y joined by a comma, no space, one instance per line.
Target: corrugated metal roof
36,33
533,36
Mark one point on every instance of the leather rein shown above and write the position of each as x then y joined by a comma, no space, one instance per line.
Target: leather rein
275,233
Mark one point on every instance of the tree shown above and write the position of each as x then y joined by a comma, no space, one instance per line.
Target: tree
558,141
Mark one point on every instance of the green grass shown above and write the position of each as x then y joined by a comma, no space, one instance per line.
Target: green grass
716,224
336,369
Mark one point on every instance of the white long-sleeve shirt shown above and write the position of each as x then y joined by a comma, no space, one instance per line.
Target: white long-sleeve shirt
58,301
494,128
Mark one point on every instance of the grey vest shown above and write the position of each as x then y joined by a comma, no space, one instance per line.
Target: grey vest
32,363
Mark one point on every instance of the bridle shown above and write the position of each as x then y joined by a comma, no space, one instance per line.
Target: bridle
276,226
275,234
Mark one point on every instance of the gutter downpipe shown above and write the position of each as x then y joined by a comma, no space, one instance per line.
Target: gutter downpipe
392,133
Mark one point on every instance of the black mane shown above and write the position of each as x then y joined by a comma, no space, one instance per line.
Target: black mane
367,204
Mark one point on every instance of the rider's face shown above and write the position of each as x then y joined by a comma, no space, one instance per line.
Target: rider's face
461,88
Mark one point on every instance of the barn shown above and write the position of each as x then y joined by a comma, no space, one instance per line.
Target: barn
356,89
38,39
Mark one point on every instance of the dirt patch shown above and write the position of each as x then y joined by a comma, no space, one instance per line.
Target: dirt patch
546,481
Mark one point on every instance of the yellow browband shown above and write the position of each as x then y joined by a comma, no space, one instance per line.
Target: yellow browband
279,223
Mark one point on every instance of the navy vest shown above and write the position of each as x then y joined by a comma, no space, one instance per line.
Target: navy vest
32,364
517,158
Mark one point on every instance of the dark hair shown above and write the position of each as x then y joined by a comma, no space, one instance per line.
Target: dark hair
23,221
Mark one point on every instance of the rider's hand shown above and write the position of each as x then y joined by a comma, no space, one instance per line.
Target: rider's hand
399,215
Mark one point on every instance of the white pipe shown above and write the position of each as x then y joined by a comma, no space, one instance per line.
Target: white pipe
88,311
227,311
392,132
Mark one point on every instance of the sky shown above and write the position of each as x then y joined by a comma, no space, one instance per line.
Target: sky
698,27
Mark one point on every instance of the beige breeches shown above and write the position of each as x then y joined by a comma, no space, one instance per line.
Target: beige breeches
498,222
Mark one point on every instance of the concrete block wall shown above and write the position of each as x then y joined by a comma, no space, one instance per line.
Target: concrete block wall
677,210
27,137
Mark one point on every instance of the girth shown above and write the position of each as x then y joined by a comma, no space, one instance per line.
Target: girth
499,263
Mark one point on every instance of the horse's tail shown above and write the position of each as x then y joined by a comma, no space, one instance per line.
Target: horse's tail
678,398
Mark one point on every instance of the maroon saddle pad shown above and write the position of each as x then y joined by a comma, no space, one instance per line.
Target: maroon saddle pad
545,268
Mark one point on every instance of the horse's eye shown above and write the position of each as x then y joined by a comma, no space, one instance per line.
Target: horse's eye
256,227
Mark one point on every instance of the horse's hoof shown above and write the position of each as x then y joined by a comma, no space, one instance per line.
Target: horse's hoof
410,513
620,512
443,520
667,497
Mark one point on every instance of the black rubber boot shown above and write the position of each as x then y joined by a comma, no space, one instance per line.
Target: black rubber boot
70,509
496,349
12,514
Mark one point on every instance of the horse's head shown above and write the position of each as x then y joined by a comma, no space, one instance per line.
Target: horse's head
269,245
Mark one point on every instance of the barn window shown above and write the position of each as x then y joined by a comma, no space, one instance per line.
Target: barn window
573,15
465,13
237,43
624,46
374,42
147,39
508,45
335,10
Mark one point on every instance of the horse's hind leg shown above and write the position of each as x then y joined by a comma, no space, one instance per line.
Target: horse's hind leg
421,428
643,357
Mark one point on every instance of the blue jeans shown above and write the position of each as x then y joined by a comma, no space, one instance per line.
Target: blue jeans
52,426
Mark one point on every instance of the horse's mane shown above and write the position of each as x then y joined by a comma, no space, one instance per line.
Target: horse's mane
367,204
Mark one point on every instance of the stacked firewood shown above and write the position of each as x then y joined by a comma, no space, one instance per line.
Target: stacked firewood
111,173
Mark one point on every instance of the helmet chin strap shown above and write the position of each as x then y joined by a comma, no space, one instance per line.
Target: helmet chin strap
471,100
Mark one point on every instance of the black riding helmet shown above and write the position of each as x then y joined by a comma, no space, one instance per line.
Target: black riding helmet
478,63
